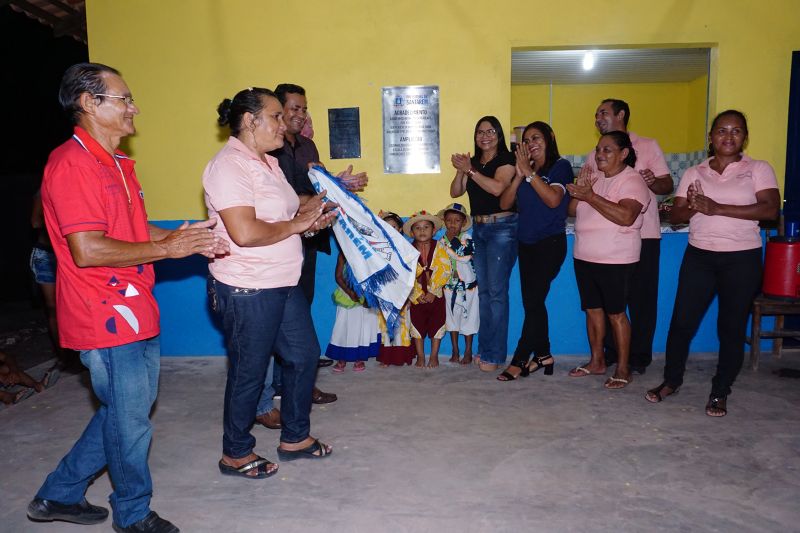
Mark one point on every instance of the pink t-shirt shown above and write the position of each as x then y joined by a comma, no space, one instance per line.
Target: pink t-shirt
599,240
648,155
237,177
737,185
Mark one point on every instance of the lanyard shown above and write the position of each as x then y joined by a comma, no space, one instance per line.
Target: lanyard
121,173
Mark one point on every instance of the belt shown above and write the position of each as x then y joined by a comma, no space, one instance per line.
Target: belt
490,219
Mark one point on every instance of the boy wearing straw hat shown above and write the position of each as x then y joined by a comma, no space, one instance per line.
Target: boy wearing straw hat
461,290
428,313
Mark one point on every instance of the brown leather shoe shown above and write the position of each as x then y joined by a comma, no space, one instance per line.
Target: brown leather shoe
317,396
271,420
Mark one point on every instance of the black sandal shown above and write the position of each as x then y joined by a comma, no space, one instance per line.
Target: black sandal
518,363
309,452
260,466
718,403
657,393
539,360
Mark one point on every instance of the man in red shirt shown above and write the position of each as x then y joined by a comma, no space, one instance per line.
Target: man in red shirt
95,216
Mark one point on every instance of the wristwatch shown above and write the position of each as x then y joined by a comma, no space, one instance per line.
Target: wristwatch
543,178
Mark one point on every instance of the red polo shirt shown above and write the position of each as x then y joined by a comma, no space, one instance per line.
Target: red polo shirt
86,189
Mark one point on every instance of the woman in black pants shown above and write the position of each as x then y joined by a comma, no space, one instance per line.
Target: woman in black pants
539,190
723,199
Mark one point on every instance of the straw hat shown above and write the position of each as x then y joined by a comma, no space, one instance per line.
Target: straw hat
421,215
458,208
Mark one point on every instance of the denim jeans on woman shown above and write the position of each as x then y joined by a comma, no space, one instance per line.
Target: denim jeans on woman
258,323
494,258
125,381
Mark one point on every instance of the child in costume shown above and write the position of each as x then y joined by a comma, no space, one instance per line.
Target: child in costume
395,350
355,336
461,290
428,313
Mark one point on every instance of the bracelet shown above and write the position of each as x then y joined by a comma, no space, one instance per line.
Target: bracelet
308,234
471,172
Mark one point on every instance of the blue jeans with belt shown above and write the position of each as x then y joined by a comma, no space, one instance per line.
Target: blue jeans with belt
125,381
258,323
494,258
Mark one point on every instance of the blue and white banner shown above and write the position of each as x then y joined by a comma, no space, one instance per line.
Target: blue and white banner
382,262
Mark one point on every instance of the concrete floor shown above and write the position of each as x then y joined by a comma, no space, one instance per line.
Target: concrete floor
451,450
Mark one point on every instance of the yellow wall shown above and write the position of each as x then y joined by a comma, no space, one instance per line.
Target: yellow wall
697,114
664,111
529,103
181,57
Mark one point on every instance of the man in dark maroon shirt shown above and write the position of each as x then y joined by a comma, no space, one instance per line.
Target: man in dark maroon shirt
295,158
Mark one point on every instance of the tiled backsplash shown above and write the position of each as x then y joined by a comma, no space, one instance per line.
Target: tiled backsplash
677,163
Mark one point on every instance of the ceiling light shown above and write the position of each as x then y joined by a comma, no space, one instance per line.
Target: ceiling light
588,61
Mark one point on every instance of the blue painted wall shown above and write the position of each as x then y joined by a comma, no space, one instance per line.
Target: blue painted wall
188,327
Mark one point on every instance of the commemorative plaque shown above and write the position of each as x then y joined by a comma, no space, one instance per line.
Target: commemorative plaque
411,129
344,132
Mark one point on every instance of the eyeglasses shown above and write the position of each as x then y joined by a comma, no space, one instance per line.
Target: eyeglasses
486,133
127,99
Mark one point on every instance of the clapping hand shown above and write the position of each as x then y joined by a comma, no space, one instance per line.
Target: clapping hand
648,176
582,188
523,166
316,214
195,238
698,201
353,182
461,162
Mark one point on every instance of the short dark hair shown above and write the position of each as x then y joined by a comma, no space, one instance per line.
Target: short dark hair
727,113
394,217
623,140
78,79
617,106
551,154
283,88
502,147
250,100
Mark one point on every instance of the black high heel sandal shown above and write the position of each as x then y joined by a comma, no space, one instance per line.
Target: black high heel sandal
539,360
523,371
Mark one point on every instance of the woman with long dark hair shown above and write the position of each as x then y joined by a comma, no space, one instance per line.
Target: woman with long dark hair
722,199
540,193
484,177
608,208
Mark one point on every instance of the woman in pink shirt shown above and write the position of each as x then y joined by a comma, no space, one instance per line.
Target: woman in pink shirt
722,198
253,290
608,217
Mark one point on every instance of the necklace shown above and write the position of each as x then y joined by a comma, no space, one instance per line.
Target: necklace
124,183
483,164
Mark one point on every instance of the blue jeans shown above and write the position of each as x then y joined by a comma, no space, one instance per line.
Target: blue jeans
495,255
125,381
257,323
265,402
43,265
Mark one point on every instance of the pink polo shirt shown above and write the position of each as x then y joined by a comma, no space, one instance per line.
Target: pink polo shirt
238,177
599,240
737,185
648,155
